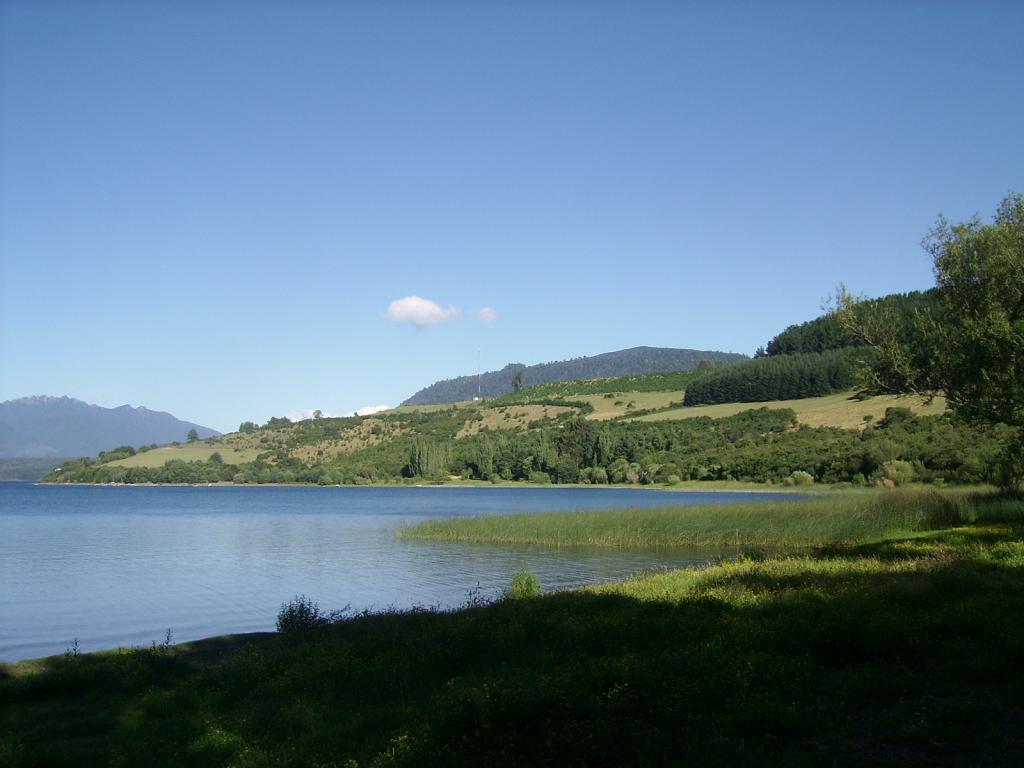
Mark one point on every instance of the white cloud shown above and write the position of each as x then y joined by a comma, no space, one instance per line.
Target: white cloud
487,314
307,413
369,410
420,312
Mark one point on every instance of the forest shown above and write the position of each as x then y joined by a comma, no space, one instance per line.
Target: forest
760,445
783,377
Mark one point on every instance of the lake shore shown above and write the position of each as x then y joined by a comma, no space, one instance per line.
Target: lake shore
698,486
898,651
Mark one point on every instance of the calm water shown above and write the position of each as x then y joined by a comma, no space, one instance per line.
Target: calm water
119,566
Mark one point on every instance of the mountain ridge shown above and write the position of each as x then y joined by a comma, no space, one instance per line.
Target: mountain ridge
43,426
623,362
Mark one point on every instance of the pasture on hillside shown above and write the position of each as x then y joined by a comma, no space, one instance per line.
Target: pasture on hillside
842,409
157,457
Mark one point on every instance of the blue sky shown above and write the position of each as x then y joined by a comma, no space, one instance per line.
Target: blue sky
208,208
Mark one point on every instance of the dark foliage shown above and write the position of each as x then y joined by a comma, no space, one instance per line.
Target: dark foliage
785,377
627,362
826,332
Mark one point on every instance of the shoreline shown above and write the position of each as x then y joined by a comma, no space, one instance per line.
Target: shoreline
761,655
683,488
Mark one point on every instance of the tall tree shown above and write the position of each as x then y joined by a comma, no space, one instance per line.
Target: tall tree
971,346
979,269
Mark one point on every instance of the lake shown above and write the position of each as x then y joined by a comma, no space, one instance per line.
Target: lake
117,566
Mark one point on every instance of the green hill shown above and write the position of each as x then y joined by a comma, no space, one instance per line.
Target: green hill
626,362
779,418
632,437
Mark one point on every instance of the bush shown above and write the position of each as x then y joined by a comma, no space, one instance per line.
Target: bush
802,478
302,615
540,477
617,470
524,584
896,471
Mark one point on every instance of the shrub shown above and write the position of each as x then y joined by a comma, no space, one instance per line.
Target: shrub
524,584
617,470
672,480
633,473
896,471
302,615
540,477
802,478
566,470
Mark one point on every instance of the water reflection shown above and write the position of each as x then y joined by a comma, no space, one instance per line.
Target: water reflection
117,566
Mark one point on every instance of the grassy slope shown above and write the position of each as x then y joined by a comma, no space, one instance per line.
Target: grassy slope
903,652
621,403
838,410
157,457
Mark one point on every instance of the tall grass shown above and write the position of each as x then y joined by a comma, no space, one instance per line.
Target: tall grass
898,652
812,522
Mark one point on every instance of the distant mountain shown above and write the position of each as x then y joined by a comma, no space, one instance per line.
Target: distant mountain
626,362
42,427
27,469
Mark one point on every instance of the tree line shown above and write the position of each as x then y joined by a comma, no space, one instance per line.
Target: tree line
760,445
785,377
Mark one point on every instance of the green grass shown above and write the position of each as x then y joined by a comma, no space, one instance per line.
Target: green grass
814,522
623,403
157,457
837,410
900,652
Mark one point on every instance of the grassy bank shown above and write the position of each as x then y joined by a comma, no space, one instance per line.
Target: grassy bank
811,522
905,651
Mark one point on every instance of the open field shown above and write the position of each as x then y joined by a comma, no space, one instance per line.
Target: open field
622,403
905,651
434,407
511,417
157,457
838,410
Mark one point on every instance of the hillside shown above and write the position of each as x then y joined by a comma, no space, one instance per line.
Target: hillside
631,430
43,427
626,362
824,333
822,357
691,422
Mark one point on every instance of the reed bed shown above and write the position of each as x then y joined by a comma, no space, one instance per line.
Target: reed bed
901,651
796,523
